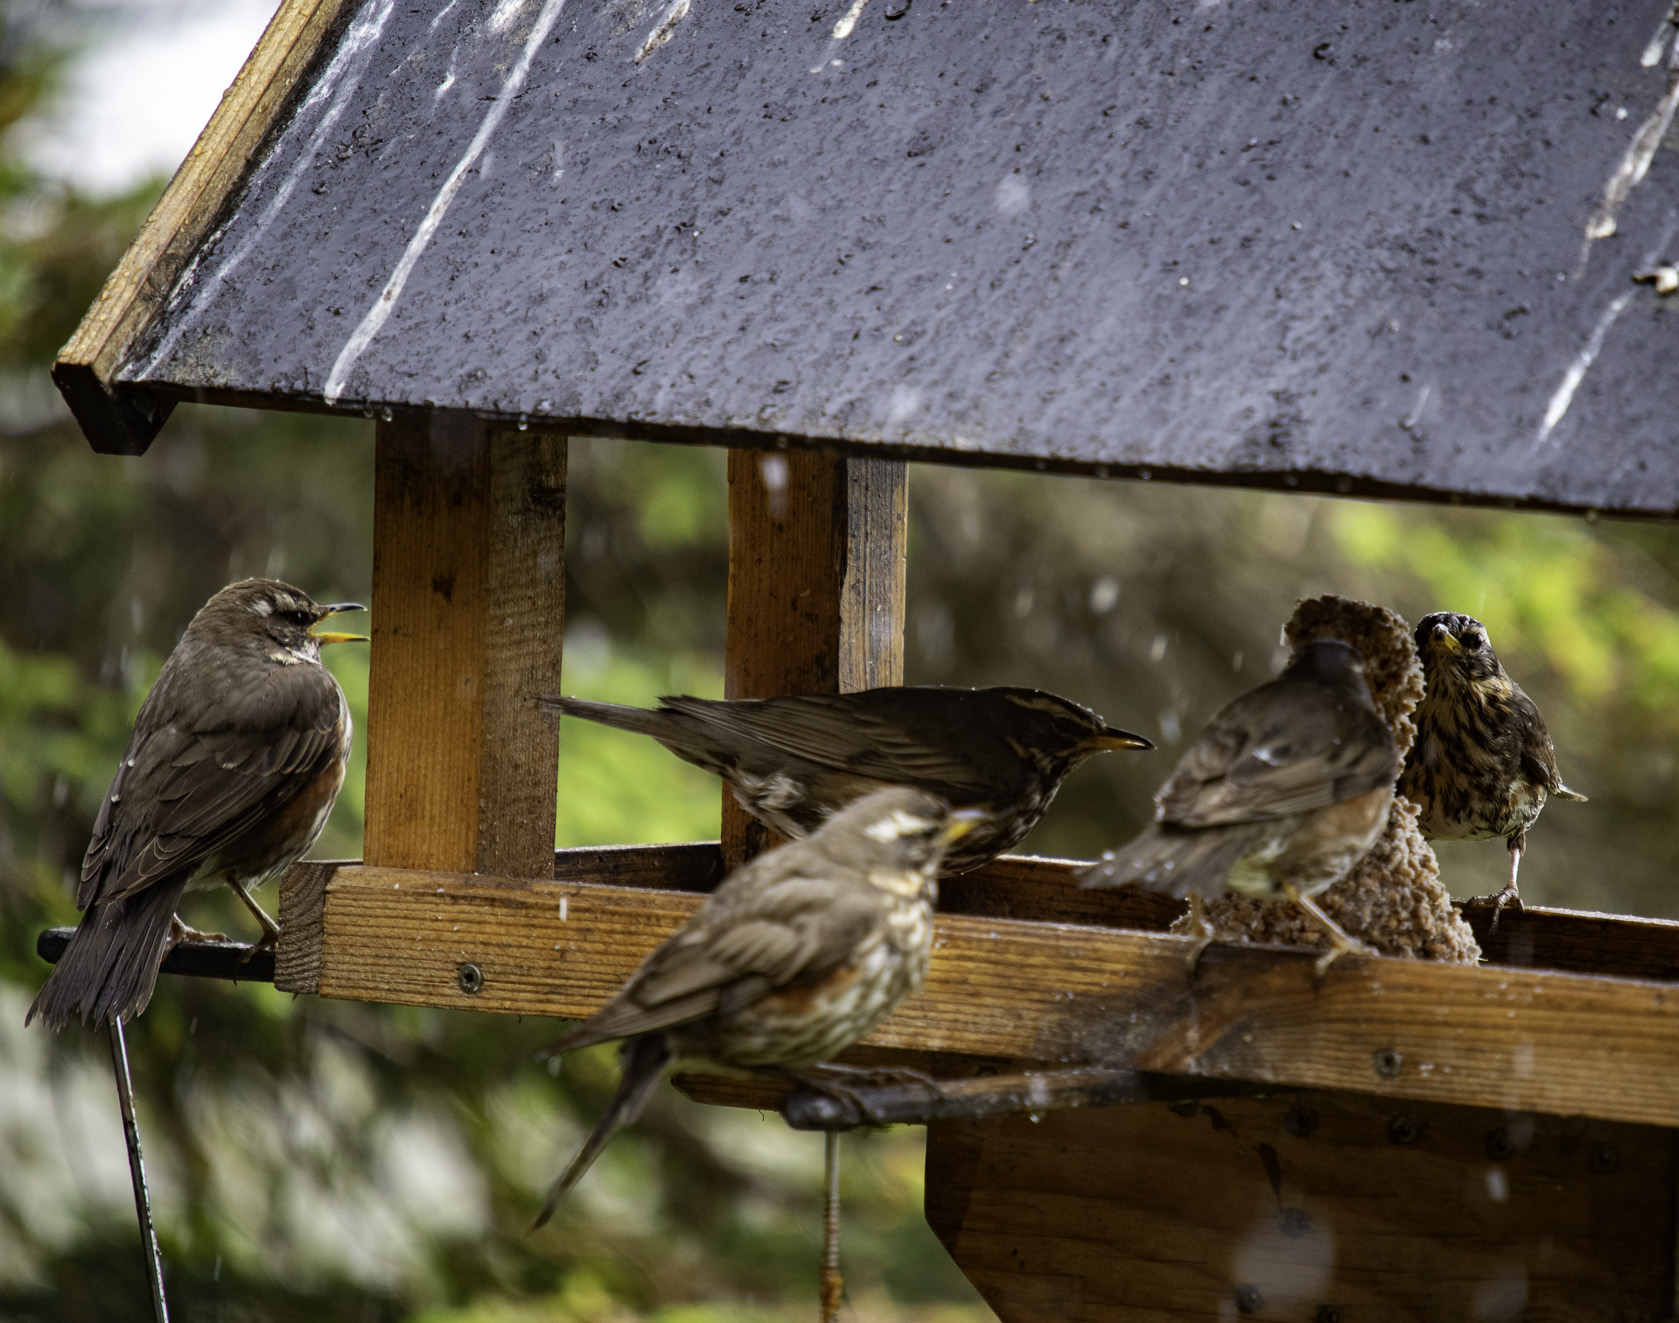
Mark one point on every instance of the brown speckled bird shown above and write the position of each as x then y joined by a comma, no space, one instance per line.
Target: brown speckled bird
236,758
1285,790
793,958
1482,765
793,761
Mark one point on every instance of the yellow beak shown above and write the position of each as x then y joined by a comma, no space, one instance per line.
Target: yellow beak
338,608
1114,738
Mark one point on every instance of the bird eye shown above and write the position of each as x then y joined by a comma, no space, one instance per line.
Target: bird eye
302,619
1474,639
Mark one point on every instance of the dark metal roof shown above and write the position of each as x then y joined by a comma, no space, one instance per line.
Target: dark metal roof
1335,246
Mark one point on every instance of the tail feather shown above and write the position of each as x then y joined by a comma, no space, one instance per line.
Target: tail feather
641,720
1173,860
644,1060
110,967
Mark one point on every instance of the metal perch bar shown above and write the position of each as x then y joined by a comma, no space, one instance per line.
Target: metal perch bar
240,961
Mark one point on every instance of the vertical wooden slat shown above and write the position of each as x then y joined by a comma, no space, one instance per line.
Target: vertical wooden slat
468,618
816,586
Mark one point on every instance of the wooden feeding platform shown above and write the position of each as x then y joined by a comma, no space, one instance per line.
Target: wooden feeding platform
1375,252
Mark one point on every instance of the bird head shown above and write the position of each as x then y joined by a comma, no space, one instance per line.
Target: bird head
896,833
1332,662
1454,646
1062,733
274,615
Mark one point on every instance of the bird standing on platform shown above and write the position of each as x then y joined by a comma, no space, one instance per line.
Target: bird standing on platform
1286,789
237,756
1483,764
794,761
793,958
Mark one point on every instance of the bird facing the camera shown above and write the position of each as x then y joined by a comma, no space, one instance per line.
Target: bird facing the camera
1483,764
792,762
793,958
237,756
1286,789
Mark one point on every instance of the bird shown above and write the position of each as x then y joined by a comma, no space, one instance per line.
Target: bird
793,761
1483,764
795,956
237,756
1284,791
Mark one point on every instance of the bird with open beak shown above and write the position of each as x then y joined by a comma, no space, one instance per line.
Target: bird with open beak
793,761
1483,764
237,757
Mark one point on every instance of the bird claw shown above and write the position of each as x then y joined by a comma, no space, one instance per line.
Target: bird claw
182,931
849,1084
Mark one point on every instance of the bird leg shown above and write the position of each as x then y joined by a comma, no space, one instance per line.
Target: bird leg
1201,933
1509,896
270,929
182,931
850,1084
1340,943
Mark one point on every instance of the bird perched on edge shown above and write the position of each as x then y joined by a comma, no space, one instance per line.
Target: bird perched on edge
1482,765
794,761
236,758
1287,787
793,958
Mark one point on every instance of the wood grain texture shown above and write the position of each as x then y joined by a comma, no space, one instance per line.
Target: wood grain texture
816,587
468,620
86,368
1312,1206
1063,993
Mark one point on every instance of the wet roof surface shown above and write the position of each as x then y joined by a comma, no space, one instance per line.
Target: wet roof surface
1341,246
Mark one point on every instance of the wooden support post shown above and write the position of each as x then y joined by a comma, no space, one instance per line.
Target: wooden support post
468,618
816,586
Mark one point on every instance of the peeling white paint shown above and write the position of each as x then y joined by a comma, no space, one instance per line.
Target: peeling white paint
505,13
1653,51
1582,364
1014,195
662,30
1635,162
442,14
337,83
1416,413
842,29
385,304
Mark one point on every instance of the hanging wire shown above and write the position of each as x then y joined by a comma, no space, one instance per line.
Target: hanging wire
137,1172
832,1285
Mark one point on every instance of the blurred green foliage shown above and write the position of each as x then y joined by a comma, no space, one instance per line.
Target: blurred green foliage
334,1161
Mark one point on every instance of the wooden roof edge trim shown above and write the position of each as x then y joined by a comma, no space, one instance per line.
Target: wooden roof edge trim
1304,481
125,422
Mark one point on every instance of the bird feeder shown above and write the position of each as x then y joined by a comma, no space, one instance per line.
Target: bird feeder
1366,249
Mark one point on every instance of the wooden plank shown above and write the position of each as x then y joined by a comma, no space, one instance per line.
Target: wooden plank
468,617
1309,1207
1061,993
86,369
816,587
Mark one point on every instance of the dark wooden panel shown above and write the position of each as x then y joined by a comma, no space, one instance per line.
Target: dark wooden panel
1310,1208
1338,247
468,615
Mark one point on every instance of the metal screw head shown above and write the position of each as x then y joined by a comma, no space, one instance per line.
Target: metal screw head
1605,1158
1327,1314
1403,1130
1387,1063
1248,1299
470,979
1499,1145
1300,1122
1294,1222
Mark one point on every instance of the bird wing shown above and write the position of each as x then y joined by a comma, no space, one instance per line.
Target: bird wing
182,794
1274,758
736,949
846,733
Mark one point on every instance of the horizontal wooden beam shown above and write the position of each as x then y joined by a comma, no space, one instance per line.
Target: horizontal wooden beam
1029,990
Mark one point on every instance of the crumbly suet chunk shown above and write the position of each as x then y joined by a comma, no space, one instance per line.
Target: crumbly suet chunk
1384,640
